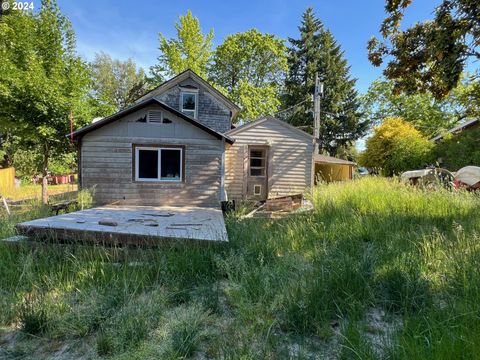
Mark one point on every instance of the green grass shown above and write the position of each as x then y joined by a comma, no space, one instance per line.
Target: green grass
378,270
34,191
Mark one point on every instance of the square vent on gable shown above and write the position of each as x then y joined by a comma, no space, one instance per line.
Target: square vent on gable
155,116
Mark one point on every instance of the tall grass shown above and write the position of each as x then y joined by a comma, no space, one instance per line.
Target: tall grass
301,287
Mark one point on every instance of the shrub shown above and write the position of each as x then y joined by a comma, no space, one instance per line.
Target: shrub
85,198
459,150
396,146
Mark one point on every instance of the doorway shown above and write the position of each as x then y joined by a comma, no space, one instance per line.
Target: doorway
257,173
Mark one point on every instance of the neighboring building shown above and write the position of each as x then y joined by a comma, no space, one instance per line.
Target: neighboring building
330,169
466,126
176,146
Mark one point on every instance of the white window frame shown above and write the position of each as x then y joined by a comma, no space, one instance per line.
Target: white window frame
255,192
159,151
189,92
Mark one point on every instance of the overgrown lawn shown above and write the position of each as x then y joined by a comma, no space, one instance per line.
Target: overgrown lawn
378,270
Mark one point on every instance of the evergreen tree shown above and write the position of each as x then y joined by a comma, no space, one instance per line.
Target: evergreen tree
317,51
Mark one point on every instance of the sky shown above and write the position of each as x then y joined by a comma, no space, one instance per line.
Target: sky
129,29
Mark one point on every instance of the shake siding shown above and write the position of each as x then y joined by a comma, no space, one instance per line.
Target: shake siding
107,155
290,159
211,112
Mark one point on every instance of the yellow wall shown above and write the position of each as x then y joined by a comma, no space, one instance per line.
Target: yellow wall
7,180
332,172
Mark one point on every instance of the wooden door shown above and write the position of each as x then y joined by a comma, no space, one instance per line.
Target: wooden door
257,173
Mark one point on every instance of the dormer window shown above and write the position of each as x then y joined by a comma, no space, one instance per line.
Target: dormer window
189,103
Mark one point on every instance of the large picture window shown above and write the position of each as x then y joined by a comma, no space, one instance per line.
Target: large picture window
188,102
159,163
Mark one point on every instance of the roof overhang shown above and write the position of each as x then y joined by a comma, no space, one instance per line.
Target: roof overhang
324,159
140,105
262,120
458,128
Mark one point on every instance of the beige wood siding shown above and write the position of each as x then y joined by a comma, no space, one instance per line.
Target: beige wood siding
107,155
290,159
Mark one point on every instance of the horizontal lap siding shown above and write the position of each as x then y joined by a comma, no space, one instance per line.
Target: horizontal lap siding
107,166
234,163
290,156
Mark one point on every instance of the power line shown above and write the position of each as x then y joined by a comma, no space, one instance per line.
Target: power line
291,107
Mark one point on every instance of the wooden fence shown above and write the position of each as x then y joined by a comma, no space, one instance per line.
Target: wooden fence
7,180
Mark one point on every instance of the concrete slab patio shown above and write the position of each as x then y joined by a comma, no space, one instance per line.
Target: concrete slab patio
131,225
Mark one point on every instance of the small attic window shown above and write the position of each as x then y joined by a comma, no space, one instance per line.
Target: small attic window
188,102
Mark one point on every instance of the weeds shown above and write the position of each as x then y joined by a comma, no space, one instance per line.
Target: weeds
301,287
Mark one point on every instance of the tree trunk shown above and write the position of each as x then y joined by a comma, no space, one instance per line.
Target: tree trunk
44,176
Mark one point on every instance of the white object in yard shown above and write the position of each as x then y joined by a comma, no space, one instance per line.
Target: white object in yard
469,175
96,119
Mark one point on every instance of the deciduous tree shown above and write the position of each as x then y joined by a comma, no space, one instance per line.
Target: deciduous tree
117,83
430,55
42,81
251,67
191,49
396,146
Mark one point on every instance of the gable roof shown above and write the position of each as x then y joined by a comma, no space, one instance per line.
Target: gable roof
191,74
259,121
139,105
458,128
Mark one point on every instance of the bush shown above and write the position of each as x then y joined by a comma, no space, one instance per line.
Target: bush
85,198
459,150
396,146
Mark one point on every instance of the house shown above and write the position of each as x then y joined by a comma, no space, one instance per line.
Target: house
175,146
466,126
167,148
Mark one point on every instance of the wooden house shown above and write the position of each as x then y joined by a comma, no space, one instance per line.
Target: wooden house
176,146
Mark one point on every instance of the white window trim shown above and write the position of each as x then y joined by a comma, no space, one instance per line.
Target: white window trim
190,92
159,150
255,187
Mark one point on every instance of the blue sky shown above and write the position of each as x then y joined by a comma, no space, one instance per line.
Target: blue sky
126,29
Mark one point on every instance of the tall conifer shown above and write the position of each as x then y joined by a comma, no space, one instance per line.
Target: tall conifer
317,50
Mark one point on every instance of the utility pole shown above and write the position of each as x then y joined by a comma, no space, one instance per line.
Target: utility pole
318,93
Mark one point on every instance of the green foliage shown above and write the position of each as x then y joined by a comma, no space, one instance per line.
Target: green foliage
117,83
42,80
190,50
422,110
64,164
317,51
85,198
27,163
459,150
250,65
430,55
396,146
